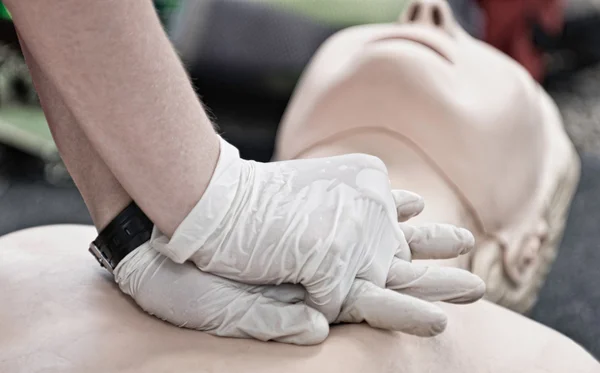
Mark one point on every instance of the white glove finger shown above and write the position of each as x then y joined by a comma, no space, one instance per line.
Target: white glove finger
433,283
408,204
387,309
437,241
187,297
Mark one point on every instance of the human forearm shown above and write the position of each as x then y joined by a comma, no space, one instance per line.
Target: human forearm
101,191
119,76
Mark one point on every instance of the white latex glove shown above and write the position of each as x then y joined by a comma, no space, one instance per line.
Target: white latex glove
328,224
185,296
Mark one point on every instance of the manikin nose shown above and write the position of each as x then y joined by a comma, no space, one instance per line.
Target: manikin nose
432,13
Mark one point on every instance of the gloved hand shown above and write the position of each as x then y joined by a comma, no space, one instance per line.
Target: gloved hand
185,296
329,224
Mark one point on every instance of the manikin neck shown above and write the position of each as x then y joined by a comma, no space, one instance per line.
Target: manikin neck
408,169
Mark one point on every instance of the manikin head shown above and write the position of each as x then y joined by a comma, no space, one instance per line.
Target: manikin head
454,120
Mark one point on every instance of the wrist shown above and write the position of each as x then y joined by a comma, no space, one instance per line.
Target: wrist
193,178
216,204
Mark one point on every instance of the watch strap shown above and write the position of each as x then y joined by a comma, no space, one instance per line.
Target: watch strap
126,232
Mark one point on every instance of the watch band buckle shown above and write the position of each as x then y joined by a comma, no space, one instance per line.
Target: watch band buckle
101,258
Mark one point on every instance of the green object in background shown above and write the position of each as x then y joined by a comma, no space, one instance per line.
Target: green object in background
345,12
25,128
165,9
4,13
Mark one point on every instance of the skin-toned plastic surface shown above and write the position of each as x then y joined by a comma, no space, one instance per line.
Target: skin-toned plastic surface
455,121
62,313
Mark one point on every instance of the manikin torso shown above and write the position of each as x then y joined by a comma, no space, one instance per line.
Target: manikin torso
455,121
62,313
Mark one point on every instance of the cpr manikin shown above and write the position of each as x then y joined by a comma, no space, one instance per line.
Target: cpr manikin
65,314
455,121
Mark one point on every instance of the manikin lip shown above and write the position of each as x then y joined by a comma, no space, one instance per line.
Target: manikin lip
422,40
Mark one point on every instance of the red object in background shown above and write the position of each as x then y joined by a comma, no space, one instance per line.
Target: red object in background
509,27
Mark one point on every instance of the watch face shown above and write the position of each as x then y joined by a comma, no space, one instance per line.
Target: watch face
103,260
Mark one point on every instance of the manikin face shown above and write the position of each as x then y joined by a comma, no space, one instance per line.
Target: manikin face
428,80
472,112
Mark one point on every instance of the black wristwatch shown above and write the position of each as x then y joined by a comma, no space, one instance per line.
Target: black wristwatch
126,232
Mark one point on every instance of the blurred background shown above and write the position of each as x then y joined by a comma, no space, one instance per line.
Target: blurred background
245,57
